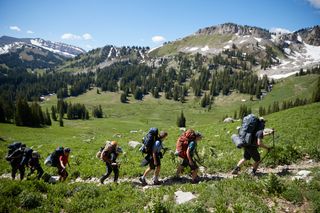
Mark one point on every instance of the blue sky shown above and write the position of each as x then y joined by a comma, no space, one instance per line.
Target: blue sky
95,23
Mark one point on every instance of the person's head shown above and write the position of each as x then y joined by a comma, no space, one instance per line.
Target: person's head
35,154
262,122
119,150
23,146
163,135
66,151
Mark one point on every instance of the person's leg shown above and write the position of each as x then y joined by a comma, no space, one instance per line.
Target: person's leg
108,172
40,172
13,171
256,157
22,171
181,167
116,173
246,156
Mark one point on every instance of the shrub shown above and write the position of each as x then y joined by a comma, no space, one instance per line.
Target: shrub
11,189
30,200
274,185
293,194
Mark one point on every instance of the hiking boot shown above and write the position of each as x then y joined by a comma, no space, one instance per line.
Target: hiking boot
156,182
143,180
177,178
236,170
253,172
102,180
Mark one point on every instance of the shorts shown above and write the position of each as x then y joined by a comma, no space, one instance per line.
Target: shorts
186,163
251,152
151,163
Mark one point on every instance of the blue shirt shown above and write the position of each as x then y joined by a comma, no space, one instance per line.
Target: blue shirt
192,147
157,146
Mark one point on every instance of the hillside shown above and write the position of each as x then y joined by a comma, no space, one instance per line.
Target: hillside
265,193
34,52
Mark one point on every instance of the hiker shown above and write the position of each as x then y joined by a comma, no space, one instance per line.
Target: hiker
149,140
154,160
109,155
34,164
62,163
189,141
14,156
251,150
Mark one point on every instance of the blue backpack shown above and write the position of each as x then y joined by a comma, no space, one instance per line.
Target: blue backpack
250,125
149,140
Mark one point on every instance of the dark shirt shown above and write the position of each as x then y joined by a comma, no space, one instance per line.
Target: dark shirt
258,135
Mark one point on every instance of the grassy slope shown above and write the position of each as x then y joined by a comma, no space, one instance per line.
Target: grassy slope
191,41
297,129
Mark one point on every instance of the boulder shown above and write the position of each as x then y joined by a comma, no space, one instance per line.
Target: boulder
228,120
134,144
183,197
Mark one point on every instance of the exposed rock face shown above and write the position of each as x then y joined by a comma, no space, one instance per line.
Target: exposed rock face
310,36
230,28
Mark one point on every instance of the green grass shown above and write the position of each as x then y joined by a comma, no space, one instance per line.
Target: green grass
296,135
191,41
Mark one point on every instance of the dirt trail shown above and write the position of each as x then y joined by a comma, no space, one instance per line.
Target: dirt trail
286,171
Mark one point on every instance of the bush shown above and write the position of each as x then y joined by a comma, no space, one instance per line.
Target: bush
11,189
30,200
274,185
293,194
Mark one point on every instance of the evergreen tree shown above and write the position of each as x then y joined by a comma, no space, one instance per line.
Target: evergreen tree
48,119
181,121
123,98
316,92
54,113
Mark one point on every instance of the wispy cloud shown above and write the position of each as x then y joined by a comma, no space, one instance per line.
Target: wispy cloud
87,36
158,39
70,36
30,32
279,30
15,28
315,3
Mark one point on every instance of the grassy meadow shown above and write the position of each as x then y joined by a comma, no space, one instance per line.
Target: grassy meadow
297,136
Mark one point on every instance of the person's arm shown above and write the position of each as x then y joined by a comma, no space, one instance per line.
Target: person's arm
61,162
189,156
260,144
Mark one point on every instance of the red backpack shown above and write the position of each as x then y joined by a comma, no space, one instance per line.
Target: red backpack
183,142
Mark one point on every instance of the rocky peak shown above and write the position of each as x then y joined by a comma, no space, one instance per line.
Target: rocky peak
231,28
311,35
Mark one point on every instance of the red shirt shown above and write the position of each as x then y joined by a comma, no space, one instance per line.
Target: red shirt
64,159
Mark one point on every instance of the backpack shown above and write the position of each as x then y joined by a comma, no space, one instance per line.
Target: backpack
183,142
53,159
11,148
149,140
107,152
250,125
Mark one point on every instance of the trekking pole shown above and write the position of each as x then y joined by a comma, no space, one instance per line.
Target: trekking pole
273,147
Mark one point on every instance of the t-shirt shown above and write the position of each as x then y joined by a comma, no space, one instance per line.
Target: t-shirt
64,159
258,135
192,147
157,146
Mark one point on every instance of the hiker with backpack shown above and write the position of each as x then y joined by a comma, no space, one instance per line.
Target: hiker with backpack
34,164
250,138
63,160
186,148
154,160
15,156
109,155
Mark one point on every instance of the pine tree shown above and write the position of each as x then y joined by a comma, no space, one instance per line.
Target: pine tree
48,119
54,113
181,121
316,92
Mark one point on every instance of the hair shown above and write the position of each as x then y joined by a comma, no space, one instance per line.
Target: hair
67,150
163,134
